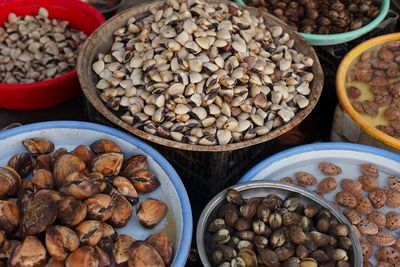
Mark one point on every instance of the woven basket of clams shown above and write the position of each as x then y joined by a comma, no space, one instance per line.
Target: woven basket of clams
200,76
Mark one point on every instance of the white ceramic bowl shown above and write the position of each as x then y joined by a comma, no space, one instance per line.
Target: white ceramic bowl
178,223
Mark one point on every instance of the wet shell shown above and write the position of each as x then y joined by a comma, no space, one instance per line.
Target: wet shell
21,163
60,241
366,248
83,153
30,253
382,238
353,216
99,207
159,242
249,257
64,166
42,179
10,215
71,212
369,170
120,250
378,198
388,254
364,206
107,163
326,185
122,210
369,183
104,146
346,199
38,146
394,183
393,199
144,181
10,181
89,232
329,169
134,164
126,188
353,187
305,178
150,212
379,218
40,213
84,256
142,254
392,220
367,227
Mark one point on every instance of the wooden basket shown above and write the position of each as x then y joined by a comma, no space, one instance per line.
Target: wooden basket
216,166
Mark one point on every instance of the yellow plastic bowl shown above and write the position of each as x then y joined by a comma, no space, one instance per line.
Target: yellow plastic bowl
342,93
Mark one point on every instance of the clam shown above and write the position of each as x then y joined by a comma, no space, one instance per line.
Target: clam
120,250
159,242
249,257
65,165
71,212
10,215
80,186
142,254
10,181
40,213
42,179
126,188
38,146
59,152
122,210
108,238
84,257
102,257
99,207
30,253
60,241
21,163
107,163
49,194
104,146
83,153
89,232
55,263
234,196
44,161
133,164
150,212
144,181
249,209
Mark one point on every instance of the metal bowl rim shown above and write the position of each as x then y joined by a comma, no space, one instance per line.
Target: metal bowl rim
272,185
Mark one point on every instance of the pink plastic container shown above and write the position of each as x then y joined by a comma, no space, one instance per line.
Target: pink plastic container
52,92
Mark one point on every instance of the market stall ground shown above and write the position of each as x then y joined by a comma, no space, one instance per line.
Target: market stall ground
315,128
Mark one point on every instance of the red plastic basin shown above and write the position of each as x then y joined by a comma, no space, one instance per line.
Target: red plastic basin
55,91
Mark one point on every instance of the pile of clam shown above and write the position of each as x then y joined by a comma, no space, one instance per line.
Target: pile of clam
374,88
66,214
370,207
322,16
270,231
36,48
203,73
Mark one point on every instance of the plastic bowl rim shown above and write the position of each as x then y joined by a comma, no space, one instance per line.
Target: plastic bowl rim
65,76
187,219
342,94
315,147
